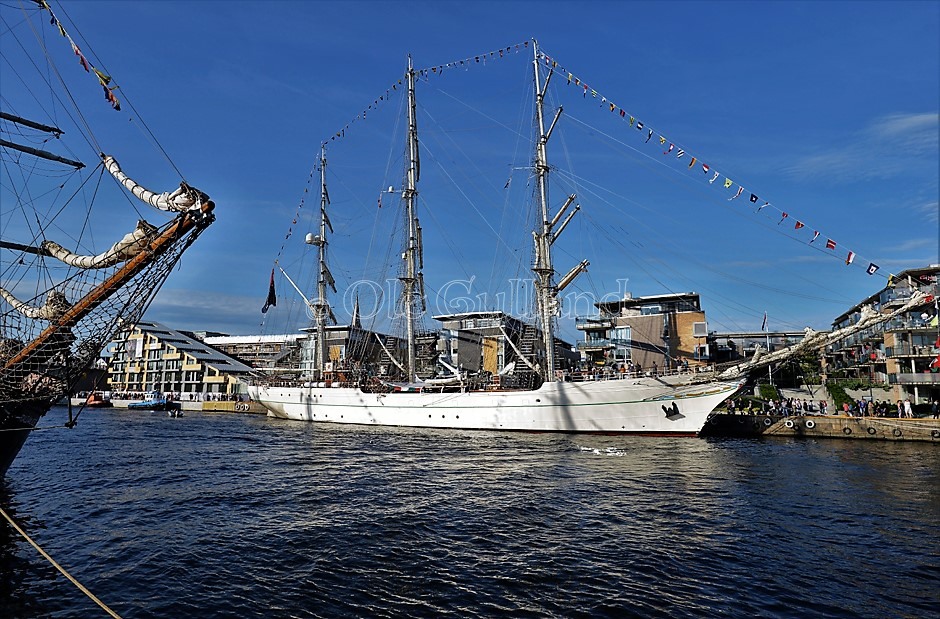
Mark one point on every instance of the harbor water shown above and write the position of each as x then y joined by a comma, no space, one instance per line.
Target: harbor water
228,515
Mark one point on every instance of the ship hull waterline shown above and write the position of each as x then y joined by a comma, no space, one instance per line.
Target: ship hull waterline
643,406
17,420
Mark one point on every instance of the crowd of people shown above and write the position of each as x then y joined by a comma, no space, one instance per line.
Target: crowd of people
172,396
860,408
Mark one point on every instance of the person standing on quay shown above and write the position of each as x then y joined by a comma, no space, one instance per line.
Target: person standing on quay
935,409
908,412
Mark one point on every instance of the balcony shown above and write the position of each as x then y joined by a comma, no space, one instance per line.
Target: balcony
593,322
596,344
908,350
906,324
928,378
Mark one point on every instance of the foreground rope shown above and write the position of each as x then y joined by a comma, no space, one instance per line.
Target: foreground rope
80,586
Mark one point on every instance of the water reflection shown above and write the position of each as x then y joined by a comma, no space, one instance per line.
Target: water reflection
237,515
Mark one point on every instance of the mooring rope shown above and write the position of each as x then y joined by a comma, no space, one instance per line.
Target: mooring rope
80,586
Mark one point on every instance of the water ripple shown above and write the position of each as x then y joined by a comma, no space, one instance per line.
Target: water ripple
243,516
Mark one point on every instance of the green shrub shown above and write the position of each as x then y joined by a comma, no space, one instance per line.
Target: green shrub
769,392
838,395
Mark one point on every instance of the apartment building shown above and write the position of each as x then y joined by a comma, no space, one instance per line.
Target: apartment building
149,356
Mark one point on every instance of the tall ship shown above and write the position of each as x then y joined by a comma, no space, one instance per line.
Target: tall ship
549,400
71,274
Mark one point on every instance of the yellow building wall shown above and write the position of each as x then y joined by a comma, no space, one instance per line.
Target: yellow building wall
490,348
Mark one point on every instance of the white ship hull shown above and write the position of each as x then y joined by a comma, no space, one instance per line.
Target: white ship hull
633,406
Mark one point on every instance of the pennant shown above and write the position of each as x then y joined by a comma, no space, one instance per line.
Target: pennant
680,153
785,215
612,107
109,95
662,140
623,114
272,297
691,163
872,268
815,234
753,198
763,325
669,150
890,279
728,183
799,224
650,136
740,191
81,58
715,177
761,207
632,120
830,244
639,126
850,257
705,168
569,76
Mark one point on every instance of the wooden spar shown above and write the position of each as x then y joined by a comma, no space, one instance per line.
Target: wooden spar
104,290
42,154
29,249
31,123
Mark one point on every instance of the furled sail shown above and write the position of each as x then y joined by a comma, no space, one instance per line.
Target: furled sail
185,198
814,340
55,305
125,249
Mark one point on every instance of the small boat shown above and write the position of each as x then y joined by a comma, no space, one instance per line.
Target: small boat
155,401
97,400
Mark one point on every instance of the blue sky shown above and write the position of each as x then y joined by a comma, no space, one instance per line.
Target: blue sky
828,110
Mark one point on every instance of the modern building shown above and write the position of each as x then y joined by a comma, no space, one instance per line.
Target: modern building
151,357
898,353
662,330
258,351
491,341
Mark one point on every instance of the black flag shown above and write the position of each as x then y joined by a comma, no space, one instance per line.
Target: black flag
272,298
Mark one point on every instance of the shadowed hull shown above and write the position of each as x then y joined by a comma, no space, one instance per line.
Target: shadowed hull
16,422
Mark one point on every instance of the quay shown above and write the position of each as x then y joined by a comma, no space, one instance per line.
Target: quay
208,406
822,426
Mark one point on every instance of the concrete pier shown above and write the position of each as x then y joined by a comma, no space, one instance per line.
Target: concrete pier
208,406
824,426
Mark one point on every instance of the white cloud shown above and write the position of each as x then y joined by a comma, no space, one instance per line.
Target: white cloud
930,211
887,147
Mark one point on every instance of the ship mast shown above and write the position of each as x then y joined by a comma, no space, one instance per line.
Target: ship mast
321,308
546,290
413,279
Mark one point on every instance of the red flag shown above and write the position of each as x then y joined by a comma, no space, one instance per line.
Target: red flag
799,224
830,244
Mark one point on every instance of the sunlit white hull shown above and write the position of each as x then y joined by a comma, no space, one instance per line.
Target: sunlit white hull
638,406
